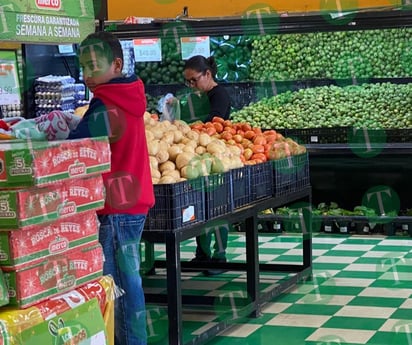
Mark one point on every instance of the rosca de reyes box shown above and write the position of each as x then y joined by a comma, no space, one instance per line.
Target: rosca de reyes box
30,163
20,208
13,321
81,325
37,242
54,275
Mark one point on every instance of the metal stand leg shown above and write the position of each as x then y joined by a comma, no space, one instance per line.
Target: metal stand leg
174,291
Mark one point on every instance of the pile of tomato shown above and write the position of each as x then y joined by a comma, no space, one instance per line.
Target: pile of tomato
255,144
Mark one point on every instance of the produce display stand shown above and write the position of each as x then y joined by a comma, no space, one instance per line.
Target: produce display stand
331,176
172,239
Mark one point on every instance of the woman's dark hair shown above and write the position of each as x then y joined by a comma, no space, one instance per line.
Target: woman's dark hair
201,64
105,43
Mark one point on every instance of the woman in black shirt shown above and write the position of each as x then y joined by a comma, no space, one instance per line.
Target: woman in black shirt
199,73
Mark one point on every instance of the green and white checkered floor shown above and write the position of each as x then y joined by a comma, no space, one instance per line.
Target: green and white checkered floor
361,293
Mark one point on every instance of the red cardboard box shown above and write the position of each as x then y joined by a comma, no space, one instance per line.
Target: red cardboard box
30,163
56,274
38,242
20,208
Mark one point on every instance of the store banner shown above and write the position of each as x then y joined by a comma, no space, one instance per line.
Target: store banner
46,21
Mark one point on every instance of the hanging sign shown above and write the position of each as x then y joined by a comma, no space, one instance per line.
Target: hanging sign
147,49
192,46
46,21
9,81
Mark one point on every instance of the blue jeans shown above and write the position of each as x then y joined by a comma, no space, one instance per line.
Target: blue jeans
120,235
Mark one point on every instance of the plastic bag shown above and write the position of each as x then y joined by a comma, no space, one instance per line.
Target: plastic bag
169,108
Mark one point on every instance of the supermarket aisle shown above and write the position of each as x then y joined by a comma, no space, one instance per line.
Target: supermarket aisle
361,293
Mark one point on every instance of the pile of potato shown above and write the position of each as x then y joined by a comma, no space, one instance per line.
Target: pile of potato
178,153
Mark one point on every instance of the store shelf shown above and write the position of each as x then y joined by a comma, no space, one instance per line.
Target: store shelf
292,23
252,305
387,149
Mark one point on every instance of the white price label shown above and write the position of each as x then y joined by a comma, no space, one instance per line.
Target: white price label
192,46
9,83
147,49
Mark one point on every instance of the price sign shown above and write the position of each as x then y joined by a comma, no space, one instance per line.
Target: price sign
147,49
192,46
9,81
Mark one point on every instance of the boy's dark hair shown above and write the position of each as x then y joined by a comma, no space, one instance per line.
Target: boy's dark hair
105,43
201,64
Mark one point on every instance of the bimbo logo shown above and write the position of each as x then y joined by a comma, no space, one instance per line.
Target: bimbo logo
49,4
59,245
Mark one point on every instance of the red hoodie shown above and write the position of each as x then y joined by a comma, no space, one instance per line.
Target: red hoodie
121,103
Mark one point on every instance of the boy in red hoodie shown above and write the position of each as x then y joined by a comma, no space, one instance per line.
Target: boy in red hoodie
116,111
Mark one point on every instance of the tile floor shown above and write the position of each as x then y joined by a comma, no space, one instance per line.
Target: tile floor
361,293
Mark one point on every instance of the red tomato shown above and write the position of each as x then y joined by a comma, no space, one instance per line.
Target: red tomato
217,119
257,148
259,156
218,126
259,140
211,130
250,134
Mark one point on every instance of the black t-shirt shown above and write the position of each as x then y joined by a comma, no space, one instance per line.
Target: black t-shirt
204,106
219,103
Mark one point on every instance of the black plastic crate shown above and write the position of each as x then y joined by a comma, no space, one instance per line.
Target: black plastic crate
218,195
241,184
301,163
322,135
284,176
365,136
290,174
177,205
261,180
391,135
399,135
